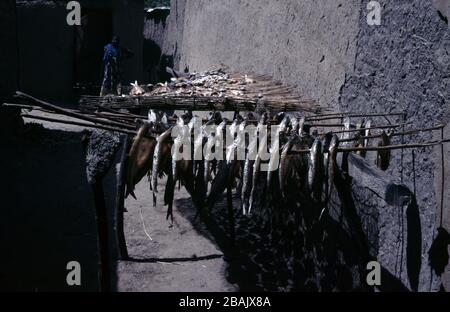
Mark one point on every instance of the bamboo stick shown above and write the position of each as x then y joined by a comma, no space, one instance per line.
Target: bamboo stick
199,103
380,148
392,147
23,106
343,115
414,131
374,127
73,113
77,123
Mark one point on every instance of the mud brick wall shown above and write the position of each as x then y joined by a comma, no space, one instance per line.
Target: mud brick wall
329,51
155,24
9,63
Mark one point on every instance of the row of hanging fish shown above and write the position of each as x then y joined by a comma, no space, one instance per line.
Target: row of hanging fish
206,177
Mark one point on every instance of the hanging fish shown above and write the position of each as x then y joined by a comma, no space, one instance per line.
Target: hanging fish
257,163
367,132
139,158
384,156
210,148
347,126
285,164
331,169
247,178
152,116
228,169
255,177
177,144
165,120
246,184
332,160
315,172
301,126
326,141
158,155
359,139
274,151
295,123
200,140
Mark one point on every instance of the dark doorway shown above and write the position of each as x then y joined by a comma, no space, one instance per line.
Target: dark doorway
91,37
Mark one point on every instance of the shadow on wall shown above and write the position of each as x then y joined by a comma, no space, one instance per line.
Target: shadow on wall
47,216
152,53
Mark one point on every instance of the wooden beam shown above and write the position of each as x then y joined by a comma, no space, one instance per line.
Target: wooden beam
80,124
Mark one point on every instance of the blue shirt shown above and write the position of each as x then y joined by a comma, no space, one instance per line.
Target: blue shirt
111,52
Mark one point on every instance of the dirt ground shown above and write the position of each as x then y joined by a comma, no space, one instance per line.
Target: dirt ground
178,258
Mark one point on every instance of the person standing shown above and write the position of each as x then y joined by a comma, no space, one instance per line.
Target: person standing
112,72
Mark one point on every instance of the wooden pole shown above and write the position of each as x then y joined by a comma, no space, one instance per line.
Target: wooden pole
392,147
120,201
351,115
394,134
374,127
77,123
103,237
379,148
72,113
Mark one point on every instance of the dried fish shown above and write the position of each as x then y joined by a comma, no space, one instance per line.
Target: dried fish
158,158
347,126
315,172
384,156
367,133
274,151
284,163
262,137
255,179
136,89
246,184
152,116
358,137
331,169
139,158
301,127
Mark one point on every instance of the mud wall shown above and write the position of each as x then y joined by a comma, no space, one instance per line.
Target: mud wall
8,53
154,33
330,52
50,218
402,65
45,49
9,63
128,22
299,42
